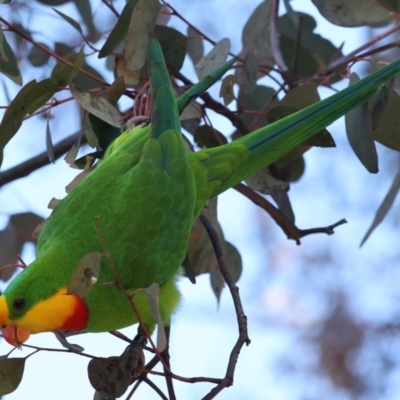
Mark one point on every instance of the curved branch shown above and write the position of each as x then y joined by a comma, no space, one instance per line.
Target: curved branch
39,161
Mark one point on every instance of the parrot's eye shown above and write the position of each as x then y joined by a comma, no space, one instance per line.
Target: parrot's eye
19,304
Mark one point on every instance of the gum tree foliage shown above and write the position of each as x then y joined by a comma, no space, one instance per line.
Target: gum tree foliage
95,57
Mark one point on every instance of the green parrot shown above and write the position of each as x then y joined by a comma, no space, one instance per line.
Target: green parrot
146,194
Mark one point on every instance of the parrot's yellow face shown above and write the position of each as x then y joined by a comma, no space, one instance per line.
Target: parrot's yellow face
18,319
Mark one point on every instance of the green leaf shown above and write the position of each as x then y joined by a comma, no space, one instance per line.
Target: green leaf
131,77
73,152
234,265
79,178
97,106
264,183
71,21
296,169
92,138
11,372
195,45
85,82
32,96
359,133
256,36
392,5
102,396
49,142
116,90
384,207
250,72
152,293
85,162
53,2
206,136
8,62
226,91
256,101
140,29
387,132
109,375
301,96
85,275
354,13
62,49
37,56
173,44
119,31
85,10
63,74
314,52
214,59
379,103
104,132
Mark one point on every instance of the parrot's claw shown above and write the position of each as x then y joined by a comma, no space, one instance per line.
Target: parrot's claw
133,358
135,121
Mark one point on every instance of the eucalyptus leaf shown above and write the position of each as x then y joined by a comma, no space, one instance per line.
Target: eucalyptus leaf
359,133
119,31
354,13
32,96
226,91
8,62
195,45
97,106
70,20
152,293
214,59
11,372
140,29
85,275
384,208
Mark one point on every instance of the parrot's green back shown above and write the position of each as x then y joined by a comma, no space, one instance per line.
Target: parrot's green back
147,193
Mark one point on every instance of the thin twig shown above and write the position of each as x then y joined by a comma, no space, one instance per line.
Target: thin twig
111,7
167,371
51,53
291,230
241,317
351,56
155,388
216,106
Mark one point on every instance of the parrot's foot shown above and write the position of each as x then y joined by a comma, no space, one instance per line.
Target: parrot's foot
135,121
135,354
114,375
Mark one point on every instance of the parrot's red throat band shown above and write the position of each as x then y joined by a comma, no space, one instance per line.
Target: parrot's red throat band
79,317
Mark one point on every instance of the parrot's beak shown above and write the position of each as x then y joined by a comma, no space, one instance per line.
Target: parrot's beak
13,334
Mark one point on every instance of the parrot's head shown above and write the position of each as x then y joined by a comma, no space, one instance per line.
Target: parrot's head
31,304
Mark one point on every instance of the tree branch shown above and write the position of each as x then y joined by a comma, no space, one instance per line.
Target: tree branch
39,161
291,230
241,317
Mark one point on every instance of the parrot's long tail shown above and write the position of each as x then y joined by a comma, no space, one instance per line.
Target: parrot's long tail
271,142
165,113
